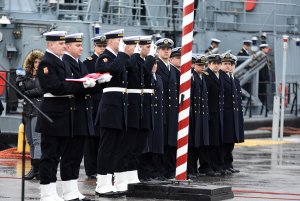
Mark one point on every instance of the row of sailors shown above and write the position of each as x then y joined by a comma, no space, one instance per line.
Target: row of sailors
132,140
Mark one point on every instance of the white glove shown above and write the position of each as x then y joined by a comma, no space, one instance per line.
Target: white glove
121,46
137,49
88,83
153,49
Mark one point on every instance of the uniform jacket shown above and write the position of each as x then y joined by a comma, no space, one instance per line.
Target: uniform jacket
82,119
30,87
90,65
170,84
242,52
52,74
215,107
208,50
199,131
231,115
113,105
140,113
155,141
241,135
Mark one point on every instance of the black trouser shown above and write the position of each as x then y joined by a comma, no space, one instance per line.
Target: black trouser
110,151
204,159
228,157
170,161
66,150
192,160
216,157
133,146
150,165
91,147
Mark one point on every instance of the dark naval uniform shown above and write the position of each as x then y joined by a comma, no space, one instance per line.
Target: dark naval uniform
231,118
112,112
58,104
241,135
92,144
82,114
151,161
208,50
140,113
171,86
198,130
215,107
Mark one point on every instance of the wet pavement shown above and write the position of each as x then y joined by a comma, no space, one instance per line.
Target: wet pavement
269,171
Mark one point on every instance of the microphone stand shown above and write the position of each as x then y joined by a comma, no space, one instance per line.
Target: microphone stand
24,142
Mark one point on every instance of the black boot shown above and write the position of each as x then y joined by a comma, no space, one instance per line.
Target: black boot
34,171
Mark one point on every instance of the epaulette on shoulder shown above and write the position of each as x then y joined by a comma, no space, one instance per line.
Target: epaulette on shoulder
89,58
205,73
241,51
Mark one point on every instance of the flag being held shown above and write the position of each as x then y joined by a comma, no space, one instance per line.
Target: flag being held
100,78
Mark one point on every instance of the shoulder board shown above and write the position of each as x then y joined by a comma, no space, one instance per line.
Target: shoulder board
241,51
205,73
89,58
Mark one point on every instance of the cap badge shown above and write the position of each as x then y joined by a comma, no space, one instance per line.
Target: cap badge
105,60
166,41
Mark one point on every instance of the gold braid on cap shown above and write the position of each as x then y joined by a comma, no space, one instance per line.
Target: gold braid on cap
28,63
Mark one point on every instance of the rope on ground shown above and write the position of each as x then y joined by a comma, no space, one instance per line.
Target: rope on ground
12,153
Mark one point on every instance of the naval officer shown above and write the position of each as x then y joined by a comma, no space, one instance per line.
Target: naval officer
214,44
113,115
199,132
91,145
215,106
169,76
58,105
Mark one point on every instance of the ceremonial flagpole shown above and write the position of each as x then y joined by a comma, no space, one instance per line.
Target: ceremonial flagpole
185,92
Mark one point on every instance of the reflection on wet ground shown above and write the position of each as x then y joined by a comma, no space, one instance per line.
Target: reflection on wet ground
268,172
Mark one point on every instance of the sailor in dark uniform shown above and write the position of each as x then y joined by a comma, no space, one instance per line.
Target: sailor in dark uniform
57,143
245,51
198,130
241,135
113,115
150,162
83,126
140,113
169,76
264,77
175,61
215,107
91,145
213,48
231,113
99,47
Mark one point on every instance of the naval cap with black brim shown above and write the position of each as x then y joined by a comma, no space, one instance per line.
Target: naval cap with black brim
247,42
264,45
164,42
214,57
131,40
215,40
175,52
145,40
99,40
227,57
55,35
72,38
201,60
119,33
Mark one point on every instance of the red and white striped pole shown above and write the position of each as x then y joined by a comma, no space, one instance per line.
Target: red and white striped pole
185,89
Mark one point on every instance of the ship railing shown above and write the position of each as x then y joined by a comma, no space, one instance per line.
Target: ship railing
264,104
